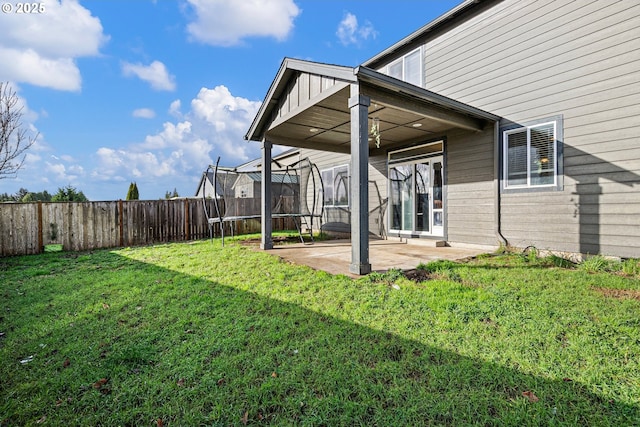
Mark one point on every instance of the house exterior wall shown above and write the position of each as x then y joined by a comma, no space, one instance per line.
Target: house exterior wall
470,188
527,60
469,184
205,189
337,219
245,187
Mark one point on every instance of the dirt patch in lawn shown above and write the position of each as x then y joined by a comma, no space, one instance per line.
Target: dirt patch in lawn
619,293
417,275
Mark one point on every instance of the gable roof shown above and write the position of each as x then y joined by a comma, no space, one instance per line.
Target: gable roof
287,71
330,107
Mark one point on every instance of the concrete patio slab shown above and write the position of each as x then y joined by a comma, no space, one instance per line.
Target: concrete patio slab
334,256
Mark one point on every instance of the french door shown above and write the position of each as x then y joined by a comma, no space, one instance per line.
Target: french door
415,194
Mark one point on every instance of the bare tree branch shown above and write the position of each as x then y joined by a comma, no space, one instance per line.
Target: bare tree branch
14,140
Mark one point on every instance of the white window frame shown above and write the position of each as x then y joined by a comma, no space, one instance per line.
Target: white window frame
403,60
505,150
412,161
333,182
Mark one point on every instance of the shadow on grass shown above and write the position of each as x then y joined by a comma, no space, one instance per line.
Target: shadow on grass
190,351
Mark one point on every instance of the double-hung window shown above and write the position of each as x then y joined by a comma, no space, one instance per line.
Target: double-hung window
336,186
407,68
531,158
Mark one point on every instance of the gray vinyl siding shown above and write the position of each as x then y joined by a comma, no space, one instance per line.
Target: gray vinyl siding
339,217
302,89
470,188
527,60
378,206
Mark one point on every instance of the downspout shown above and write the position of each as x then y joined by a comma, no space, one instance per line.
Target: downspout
496,172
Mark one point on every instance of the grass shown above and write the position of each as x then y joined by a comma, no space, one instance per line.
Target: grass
194,334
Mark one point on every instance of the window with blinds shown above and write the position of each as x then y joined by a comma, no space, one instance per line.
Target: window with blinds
531,156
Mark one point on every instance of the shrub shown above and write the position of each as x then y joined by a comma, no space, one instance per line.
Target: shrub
631,267
597,264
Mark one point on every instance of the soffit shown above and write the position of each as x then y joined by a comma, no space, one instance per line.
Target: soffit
326,125
322,120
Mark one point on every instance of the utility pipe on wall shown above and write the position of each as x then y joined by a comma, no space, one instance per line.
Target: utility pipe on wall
496,173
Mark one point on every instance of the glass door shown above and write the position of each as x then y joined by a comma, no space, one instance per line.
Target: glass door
437,210
416,202
401,180
422,196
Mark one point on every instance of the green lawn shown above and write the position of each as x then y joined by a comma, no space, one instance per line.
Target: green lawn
194,334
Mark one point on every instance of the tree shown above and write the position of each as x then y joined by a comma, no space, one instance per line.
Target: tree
133,194
14,140
170,195
20,194
42,196
69,194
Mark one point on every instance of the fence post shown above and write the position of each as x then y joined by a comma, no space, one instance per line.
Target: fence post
40,231
120,221
187,224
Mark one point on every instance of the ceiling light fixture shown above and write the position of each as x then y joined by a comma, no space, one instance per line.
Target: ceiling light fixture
314,130
416,125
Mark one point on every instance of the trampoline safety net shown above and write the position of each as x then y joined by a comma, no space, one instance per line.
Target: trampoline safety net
296,193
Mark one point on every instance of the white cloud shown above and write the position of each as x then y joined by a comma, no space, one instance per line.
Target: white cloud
226,23
144,113
59,172
174,108
30,67
350,32
41,49
155,74
214,125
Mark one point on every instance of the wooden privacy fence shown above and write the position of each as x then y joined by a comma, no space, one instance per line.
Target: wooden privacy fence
26,228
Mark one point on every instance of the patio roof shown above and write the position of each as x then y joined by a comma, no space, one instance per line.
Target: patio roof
330,108
307,107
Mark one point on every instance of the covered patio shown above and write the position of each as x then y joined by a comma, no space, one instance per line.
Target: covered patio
331,108
333,256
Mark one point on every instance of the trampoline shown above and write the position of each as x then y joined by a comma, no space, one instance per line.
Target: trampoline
296,193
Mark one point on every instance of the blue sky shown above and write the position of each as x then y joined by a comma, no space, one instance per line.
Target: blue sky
154,91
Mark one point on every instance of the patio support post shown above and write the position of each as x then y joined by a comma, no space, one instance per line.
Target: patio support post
266,241
359,107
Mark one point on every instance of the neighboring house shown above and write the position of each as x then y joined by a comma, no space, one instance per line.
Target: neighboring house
248,185
224,180
240,186
227,176
501,122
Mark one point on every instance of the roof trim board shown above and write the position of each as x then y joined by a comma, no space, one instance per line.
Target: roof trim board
379,80
287,69
380,87
308,104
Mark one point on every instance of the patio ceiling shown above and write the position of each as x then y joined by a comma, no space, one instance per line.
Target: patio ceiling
322,120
